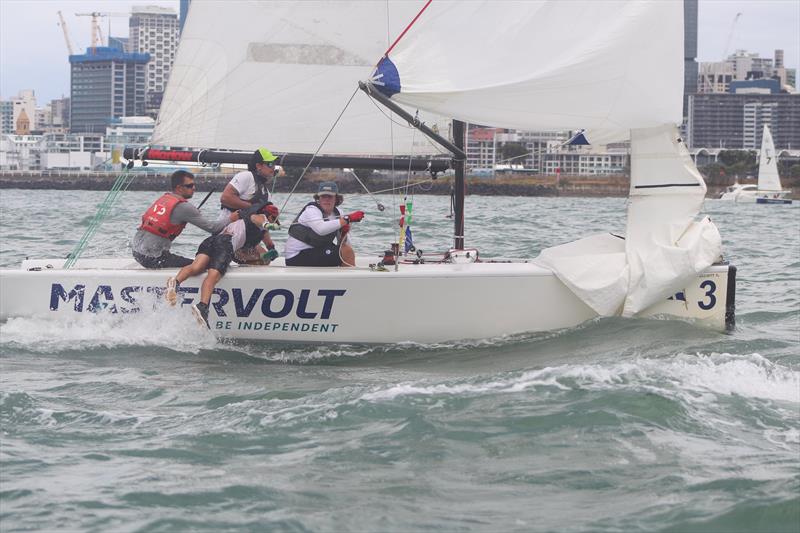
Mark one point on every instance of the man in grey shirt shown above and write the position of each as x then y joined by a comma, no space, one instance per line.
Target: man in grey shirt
164,221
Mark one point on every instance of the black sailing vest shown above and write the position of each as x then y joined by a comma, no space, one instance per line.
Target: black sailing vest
309,236
253,234
262,192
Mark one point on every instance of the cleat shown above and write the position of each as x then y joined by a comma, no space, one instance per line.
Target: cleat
171,294
200,312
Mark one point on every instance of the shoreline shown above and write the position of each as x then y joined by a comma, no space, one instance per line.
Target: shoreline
569,186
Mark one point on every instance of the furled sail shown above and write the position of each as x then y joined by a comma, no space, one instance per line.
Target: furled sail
277,74
613,68
768,179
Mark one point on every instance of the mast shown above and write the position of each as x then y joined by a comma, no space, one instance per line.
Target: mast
459,187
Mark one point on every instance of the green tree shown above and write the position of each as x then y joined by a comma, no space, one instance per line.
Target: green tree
509,151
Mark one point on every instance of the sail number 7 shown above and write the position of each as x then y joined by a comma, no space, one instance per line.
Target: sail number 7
710,287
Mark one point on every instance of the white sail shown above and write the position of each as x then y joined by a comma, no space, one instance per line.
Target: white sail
614,68
543,65
664,245
768,179
277,74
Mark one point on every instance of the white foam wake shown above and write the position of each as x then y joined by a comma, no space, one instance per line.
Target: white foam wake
171,328
700,376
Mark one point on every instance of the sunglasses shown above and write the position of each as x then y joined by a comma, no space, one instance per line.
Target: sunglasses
188,185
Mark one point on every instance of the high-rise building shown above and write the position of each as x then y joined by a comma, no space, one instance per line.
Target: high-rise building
105,83
154,30
184,11
735,121
6,117
689,52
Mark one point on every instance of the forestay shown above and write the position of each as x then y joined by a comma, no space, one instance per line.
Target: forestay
277,74
614,68
768,179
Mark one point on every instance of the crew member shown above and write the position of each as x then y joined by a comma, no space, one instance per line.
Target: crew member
164,221
319,235
250,186
216,252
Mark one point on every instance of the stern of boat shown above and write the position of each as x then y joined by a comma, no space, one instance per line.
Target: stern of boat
708,300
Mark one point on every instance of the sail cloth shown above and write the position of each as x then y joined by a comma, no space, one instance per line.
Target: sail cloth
277,74
768,179
664,246
607,66
613,68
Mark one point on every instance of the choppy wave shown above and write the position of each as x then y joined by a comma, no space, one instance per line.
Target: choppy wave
147,422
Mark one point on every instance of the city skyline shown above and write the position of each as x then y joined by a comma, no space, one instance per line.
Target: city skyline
41,63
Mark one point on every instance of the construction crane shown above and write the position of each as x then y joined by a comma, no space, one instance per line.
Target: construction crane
97,33
63,25
730,36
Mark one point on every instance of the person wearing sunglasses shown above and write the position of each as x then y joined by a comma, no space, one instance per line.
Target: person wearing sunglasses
165,219
250,188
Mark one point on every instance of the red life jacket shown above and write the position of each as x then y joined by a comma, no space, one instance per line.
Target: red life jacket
156,218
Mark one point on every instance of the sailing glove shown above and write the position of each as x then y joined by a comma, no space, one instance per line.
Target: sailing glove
355,216
270,255
252,210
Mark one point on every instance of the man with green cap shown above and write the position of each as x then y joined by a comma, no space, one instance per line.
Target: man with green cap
250,186
250,189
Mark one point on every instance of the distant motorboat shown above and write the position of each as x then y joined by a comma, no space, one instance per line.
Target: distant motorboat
768,190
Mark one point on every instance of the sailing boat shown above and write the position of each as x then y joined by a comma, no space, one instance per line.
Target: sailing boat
277,74
768,190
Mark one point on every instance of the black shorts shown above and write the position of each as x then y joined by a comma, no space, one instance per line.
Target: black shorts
219,249
165,260
324,256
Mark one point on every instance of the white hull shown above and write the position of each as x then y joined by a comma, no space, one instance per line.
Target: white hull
743,195
358,305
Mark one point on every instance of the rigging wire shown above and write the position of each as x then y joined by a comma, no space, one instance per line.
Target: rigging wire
302,174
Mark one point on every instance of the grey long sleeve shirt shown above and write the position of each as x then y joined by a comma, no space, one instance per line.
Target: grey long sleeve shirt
152,245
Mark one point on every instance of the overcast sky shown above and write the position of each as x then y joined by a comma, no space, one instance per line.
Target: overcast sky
33,54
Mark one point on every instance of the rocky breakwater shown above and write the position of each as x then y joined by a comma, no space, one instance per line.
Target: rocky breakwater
507,185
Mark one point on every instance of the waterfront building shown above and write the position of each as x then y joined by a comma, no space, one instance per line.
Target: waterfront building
106,83
586,161
486,149
20,152
735,121
6,117
60,151
128,131
154,30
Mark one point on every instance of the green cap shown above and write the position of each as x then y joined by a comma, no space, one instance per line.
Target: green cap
266,155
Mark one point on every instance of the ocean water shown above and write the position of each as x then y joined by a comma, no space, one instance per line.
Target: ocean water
147,423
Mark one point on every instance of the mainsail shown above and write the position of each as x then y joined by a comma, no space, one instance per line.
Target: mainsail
768,179
277,74
613,68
